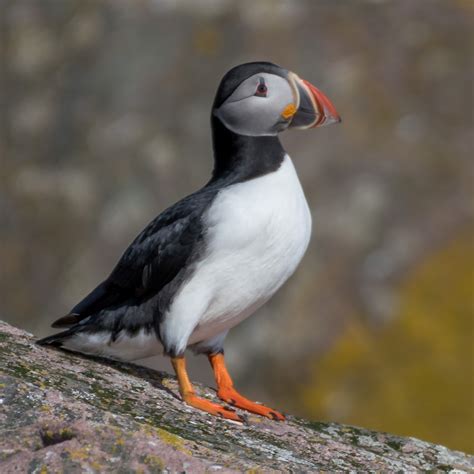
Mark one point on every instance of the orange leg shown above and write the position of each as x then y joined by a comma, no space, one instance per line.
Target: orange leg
227,392
187,392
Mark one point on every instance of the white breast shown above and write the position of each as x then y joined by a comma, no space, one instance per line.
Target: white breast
257,234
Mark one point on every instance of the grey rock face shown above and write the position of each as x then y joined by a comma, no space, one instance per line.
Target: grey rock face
61,412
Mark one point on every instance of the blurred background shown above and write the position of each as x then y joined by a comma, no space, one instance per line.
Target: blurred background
104,122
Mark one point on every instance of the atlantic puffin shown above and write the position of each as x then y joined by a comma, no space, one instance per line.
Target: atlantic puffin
212,259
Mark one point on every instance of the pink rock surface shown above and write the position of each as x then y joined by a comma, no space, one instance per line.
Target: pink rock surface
61,412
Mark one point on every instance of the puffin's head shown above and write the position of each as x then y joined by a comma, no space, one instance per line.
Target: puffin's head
257,99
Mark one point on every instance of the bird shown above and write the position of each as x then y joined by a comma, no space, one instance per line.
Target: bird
212,259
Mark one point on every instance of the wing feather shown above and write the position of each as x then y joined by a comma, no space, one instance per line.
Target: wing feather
152,260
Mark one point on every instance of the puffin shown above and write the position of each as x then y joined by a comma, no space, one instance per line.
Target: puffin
212,259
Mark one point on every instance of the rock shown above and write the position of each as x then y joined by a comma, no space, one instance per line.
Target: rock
61,412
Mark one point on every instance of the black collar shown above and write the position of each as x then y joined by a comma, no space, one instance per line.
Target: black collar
240,158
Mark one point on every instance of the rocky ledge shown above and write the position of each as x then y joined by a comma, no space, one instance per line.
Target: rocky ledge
61,412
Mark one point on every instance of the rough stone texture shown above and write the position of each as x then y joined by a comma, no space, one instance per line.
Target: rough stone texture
61,412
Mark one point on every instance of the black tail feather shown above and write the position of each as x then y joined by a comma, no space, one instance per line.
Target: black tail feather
67,321
55,340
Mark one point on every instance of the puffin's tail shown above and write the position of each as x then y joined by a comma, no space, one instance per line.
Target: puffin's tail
56,340
70,321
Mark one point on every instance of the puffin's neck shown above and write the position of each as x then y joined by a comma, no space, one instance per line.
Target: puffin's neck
240,158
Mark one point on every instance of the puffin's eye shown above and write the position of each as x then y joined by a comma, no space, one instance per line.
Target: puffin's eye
261,89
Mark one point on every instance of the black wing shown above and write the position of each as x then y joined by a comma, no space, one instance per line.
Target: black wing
153,260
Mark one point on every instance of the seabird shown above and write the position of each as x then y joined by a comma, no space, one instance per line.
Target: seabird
209,261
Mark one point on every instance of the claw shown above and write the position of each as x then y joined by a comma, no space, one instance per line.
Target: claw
277,416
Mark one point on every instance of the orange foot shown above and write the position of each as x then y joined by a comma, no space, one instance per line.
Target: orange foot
213,408
231,396
190,397
227,392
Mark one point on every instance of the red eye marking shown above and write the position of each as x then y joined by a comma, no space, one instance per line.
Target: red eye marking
261,89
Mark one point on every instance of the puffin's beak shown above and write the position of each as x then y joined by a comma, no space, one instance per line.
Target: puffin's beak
314,108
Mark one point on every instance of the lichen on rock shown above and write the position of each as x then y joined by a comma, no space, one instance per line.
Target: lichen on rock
61,412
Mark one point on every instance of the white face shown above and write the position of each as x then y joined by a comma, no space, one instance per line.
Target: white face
261,105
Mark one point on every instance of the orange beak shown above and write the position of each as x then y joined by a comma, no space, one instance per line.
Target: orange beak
314,109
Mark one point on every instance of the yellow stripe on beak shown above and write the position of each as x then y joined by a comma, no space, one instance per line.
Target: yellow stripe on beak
288,111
